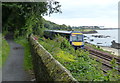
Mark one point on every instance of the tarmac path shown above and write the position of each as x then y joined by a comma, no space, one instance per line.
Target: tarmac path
13,69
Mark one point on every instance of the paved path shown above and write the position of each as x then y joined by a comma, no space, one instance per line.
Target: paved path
13,69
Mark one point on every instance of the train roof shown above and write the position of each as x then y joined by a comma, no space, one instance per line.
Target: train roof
76,32
59,31
65,32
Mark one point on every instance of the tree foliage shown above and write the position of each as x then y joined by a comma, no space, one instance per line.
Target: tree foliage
26,17
53,26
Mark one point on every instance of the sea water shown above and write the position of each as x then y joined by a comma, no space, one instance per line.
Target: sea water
113,33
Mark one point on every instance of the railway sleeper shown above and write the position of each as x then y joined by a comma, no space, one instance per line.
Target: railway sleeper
104,62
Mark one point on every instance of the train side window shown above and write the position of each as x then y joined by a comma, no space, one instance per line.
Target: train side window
70,38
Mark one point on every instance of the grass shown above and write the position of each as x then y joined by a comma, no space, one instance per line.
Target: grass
0,49
81,66
27,55
4,50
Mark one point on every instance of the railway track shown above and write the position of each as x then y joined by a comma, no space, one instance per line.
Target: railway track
104,58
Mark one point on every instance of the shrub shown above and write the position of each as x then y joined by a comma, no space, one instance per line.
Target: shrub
27,55
4,51
81,66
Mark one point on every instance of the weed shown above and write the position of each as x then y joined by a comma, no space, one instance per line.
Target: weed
27,55
77,62
4,51
81,66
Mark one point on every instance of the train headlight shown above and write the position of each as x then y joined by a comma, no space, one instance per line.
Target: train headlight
77,43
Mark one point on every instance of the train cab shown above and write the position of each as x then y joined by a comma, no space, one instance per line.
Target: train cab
77,39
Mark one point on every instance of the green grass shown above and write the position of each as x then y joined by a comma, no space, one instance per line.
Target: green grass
4,50
0,49
81,66
27,55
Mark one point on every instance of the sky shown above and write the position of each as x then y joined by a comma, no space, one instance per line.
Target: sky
87,13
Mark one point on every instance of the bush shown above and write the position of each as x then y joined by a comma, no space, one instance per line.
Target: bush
81,66
4,51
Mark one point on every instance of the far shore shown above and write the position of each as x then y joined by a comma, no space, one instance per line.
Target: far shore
108,28
89,32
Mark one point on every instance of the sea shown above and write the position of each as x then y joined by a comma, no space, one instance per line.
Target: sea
109,36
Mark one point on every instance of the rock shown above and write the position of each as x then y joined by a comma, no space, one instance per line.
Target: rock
100,36
85,36
91,40
107,36
115,45
99,43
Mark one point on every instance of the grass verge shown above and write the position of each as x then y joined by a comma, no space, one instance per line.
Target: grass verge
4,50
27,55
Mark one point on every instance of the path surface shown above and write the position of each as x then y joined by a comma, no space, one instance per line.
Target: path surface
13,69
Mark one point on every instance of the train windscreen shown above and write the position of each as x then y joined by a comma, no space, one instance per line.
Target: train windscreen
77,38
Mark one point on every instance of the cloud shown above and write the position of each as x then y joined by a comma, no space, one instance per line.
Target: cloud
87,12
85,22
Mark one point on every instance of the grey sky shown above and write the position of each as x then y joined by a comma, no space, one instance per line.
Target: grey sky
87,13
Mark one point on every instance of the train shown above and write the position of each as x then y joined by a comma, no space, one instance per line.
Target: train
76,38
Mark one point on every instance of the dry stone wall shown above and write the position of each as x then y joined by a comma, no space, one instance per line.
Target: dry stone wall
47,68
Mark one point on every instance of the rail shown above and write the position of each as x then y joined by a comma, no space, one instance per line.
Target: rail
104,58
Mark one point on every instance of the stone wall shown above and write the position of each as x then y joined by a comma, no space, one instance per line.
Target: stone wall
47,68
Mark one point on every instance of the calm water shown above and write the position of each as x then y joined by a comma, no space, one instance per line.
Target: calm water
104,41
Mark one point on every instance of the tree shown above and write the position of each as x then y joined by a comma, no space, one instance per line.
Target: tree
26,17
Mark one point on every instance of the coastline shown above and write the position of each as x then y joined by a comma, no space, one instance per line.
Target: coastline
89,32
112,50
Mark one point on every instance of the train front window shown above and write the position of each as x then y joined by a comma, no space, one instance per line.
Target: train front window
77,38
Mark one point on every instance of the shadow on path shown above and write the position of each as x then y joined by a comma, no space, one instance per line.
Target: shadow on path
13,69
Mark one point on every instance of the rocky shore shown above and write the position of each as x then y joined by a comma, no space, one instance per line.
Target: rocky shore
115,45
88,32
